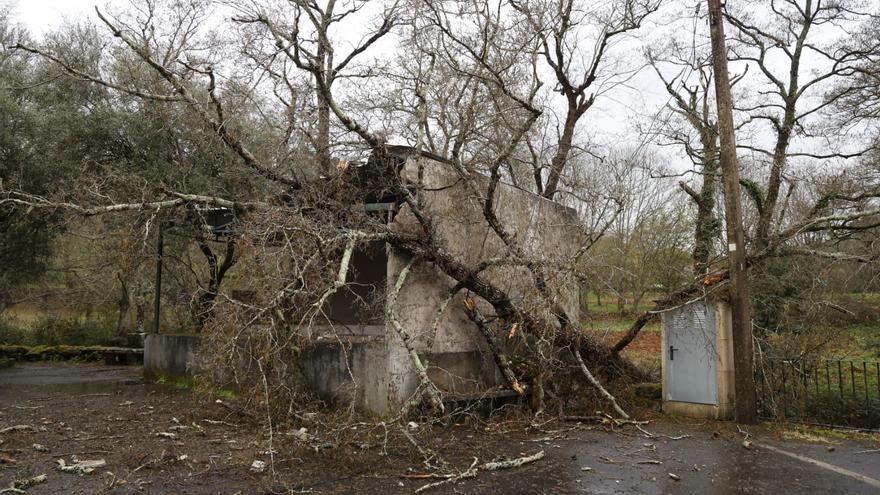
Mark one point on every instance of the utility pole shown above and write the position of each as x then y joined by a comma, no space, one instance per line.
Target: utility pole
744,377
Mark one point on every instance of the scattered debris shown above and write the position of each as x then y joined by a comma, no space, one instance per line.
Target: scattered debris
22,428
675,476
258,466
301,434
29,482
746,442
225,423
586,468
19,486
168,435
649,461
81,467
40,447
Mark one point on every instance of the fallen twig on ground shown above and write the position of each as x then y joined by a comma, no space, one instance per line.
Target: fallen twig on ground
474,469
648,434
18,486
746,442
81,467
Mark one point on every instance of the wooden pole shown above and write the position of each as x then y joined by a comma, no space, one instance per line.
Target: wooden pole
744,378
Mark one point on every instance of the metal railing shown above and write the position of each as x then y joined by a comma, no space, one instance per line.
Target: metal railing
837,392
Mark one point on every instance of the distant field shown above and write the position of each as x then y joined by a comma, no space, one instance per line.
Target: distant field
28,313
605,322
847,341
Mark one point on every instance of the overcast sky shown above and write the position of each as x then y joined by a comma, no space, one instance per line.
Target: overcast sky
42,15
611,121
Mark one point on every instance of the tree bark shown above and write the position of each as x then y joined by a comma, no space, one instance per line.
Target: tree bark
705,228
123,324
557,164
216,274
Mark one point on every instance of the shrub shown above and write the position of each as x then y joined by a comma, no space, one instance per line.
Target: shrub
13,335
71,331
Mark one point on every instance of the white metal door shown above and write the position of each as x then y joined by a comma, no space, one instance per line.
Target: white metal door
690,355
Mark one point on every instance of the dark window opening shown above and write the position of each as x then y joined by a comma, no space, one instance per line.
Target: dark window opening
361,300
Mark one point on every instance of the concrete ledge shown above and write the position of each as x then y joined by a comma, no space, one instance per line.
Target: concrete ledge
702,411
172,356
360,370
354,369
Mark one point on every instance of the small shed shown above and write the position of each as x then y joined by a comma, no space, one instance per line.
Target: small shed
697,363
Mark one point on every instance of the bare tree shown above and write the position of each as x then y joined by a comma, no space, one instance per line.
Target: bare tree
692,127
580,75
777,40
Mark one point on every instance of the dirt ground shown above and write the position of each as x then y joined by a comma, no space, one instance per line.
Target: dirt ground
161,440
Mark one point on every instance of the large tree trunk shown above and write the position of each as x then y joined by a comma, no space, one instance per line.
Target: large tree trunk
706,223
557,164
565,334
140,304
322,140
216,274
123,324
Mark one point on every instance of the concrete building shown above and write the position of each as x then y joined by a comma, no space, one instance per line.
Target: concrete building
360,357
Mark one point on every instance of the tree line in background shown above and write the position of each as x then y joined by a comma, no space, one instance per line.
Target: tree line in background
162,110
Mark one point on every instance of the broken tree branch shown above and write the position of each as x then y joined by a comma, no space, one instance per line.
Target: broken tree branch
474,469
427,386
500,358
599,387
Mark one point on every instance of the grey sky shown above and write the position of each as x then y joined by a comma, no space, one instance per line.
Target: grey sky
42,15
610,122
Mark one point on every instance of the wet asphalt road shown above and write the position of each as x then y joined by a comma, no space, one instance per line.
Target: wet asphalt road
581,461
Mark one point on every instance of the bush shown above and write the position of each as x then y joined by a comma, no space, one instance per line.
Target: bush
13,335
50,331
72,331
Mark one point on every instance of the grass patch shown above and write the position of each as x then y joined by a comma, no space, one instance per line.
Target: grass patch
226,393
181,382
821,434
610,306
